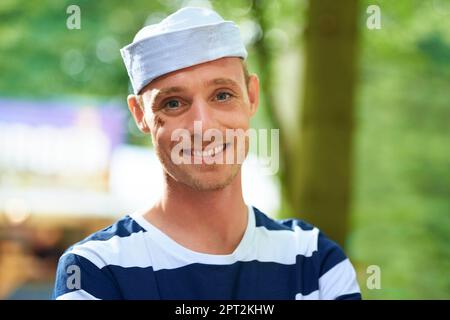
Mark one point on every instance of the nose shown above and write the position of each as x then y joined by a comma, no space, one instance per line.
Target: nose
201,112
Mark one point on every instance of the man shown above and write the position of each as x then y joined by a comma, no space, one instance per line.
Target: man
200,241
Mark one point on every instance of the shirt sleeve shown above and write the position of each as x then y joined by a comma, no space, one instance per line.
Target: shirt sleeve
77,278
337,277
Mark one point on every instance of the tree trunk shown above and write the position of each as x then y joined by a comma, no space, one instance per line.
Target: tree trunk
321,186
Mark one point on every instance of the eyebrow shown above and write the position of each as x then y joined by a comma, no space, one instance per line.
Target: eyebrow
161,93
170,90
222,81
177,89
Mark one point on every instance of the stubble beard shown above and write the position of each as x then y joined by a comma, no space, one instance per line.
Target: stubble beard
186,176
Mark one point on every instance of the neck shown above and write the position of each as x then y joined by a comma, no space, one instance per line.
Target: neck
206,221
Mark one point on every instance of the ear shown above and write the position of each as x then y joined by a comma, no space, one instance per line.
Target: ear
253,93
135,104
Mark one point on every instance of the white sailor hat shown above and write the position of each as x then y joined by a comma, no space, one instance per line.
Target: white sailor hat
185,38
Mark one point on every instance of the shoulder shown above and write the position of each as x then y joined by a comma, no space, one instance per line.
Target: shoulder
320,257
307,239
84,270
105,246
124,227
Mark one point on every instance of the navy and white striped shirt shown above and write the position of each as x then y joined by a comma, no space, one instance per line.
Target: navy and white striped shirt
132,259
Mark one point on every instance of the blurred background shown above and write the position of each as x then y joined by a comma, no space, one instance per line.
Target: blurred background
358,89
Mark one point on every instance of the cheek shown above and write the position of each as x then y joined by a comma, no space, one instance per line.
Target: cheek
153,120
237,120
157,128
162,135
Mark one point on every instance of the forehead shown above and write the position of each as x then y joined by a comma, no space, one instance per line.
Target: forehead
229,67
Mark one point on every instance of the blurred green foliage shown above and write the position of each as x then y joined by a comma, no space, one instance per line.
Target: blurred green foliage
401,208
402,188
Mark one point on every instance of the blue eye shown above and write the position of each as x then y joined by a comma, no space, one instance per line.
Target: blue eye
172,104
222,96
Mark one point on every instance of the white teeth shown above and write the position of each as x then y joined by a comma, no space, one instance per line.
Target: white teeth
218,149
207,153
197,153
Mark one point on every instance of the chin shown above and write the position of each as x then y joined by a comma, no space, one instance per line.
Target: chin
210,180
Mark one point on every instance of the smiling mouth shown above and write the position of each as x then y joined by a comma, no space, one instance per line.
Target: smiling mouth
210,152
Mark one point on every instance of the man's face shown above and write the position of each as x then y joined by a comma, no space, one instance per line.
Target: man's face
215,96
